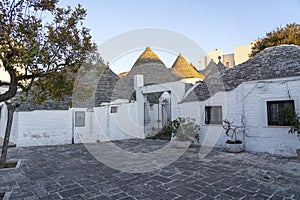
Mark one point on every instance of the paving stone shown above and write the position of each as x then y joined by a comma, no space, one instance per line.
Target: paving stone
101,197
53,188
39,191
71,192
161,179
172,184
86,182
234,192
70,172
224,197
194,186
210,191
113,192
78,197
119,196
51,197
74,185
65,182
207,198
182,191
261,196
276,197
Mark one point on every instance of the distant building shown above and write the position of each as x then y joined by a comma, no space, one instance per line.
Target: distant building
228,60
240,55
211,56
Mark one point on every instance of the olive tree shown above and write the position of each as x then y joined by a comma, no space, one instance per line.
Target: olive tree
41,46
290,34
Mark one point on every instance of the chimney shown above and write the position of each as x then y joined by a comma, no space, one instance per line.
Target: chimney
138,81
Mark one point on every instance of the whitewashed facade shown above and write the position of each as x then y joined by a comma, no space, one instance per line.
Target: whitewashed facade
250,100
124,119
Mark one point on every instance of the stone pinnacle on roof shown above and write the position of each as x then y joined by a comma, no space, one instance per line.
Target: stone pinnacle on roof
183,69
148,54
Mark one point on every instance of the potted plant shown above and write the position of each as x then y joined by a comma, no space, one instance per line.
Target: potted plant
234,145
288,115
185,131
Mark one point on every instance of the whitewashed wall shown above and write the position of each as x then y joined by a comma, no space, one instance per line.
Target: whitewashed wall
260,136
41,127
191,110
101,125
3,121
250,100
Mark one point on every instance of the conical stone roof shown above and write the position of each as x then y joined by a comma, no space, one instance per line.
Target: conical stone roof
151,67
273,62
105,87
211,68
183,69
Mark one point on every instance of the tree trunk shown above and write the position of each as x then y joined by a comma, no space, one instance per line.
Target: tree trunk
10,114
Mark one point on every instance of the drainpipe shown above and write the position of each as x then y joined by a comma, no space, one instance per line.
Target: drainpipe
243,112
73,128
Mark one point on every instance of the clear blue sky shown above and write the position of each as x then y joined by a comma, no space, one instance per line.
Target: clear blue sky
221,24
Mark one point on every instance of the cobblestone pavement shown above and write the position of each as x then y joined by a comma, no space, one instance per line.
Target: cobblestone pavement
71,172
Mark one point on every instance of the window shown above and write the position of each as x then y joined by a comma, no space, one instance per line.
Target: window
276,112
213,115
113,109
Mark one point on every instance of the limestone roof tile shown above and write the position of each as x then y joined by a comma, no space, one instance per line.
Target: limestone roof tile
273,62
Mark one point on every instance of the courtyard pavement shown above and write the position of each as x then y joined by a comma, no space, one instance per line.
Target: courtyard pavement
71,172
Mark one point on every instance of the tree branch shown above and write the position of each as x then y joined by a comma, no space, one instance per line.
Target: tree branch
12,89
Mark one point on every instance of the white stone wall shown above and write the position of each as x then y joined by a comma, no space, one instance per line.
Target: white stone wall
260,136
55,127
41,127
3,121
101,125
250,100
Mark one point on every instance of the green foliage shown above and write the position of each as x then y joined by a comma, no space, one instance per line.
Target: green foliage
290,34
185,129
288,115
41,44
87,79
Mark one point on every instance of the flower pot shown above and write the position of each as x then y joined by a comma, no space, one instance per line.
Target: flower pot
234,147
298,153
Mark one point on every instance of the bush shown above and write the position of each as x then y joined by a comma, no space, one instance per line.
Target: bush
184,129
289,115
